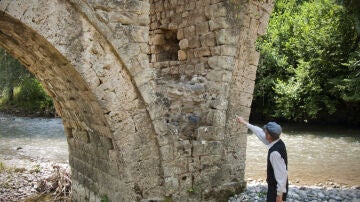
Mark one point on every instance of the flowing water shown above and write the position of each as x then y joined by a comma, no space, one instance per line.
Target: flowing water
24,140
315,154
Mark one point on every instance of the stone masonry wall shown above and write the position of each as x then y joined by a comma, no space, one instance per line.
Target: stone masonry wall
148,90
202,88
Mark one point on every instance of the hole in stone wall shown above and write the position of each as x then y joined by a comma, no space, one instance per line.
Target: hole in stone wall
168,47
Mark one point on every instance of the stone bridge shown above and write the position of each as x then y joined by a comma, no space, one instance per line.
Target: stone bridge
147,90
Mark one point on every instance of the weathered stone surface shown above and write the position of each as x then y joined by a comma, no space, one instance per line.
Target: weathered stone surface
147,90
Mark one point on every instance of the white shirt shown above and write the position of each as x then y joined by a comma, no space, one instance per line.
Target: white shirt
277,162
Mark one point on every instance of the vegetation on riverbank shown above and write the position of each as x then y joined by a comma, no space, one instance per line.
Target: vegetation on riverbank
309,69
20,92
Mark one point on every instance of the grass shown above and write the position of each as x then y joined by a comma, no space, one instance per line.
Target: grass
104,199
2,167
37,169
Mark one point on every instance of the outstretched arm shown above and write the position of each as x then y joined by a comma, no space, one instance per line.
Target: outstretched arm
259,132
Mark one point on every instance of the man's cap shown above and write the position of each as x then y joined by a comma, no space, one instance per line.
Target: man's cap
274,129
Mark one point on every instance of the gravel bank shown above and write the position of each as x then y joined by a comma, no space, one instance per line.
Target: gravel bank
18,183
331,192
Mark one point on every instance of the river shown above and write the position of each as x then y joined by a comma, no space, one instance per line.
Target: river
32,139
315,154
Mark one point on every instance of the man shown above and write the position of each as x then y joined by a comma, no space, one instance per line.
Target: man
277,177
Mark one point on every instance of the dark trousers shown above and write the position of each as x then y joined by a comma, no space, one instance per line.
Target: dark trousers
272,193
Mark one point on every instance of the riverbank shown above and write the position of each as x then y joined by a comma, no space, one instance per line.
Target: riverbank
22,183
22,112
256,191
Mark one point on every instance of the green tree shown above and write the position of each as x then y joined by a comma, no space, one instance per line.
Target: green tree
19,89
12,73
309,66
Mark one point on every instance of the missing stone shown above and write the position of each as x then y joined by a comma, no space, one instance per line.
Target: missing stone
166,45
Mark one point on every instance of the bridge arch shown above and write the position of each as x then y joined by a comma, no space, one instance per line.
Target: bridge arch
103,114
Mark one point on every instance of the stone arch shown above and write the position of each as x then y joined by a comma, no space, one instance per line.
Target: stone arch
113,149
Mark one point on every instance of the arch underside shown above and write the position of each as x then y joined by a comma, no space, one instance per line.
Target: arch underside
104,118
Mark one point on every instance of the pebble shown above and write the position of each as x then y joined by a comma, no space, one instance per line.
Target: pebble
256,192
18,184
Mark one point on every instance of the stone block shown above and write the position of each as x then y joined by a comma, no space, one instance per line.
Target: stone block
180,9
253,58
81,135
215,10
253,30
226,37
147,92
194,165
250,72
227,50
194,42
221,62
202,28
218,23
208,39
219,102
143,77
189,70
113,155
171,185
202,52
176,167
215,50
208,163
200,69
210,133
159,39
184,44
174,70
246,99
167,153
160,127
235,156
262,28
219,118
127,18
189,31
190,5
248,85
138,64
180,34
140,34
106,143
182,148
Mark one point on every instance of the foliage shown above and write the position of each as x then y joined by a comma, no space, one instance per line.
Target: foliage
104,198
309,62
2,167
36,169
19,88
